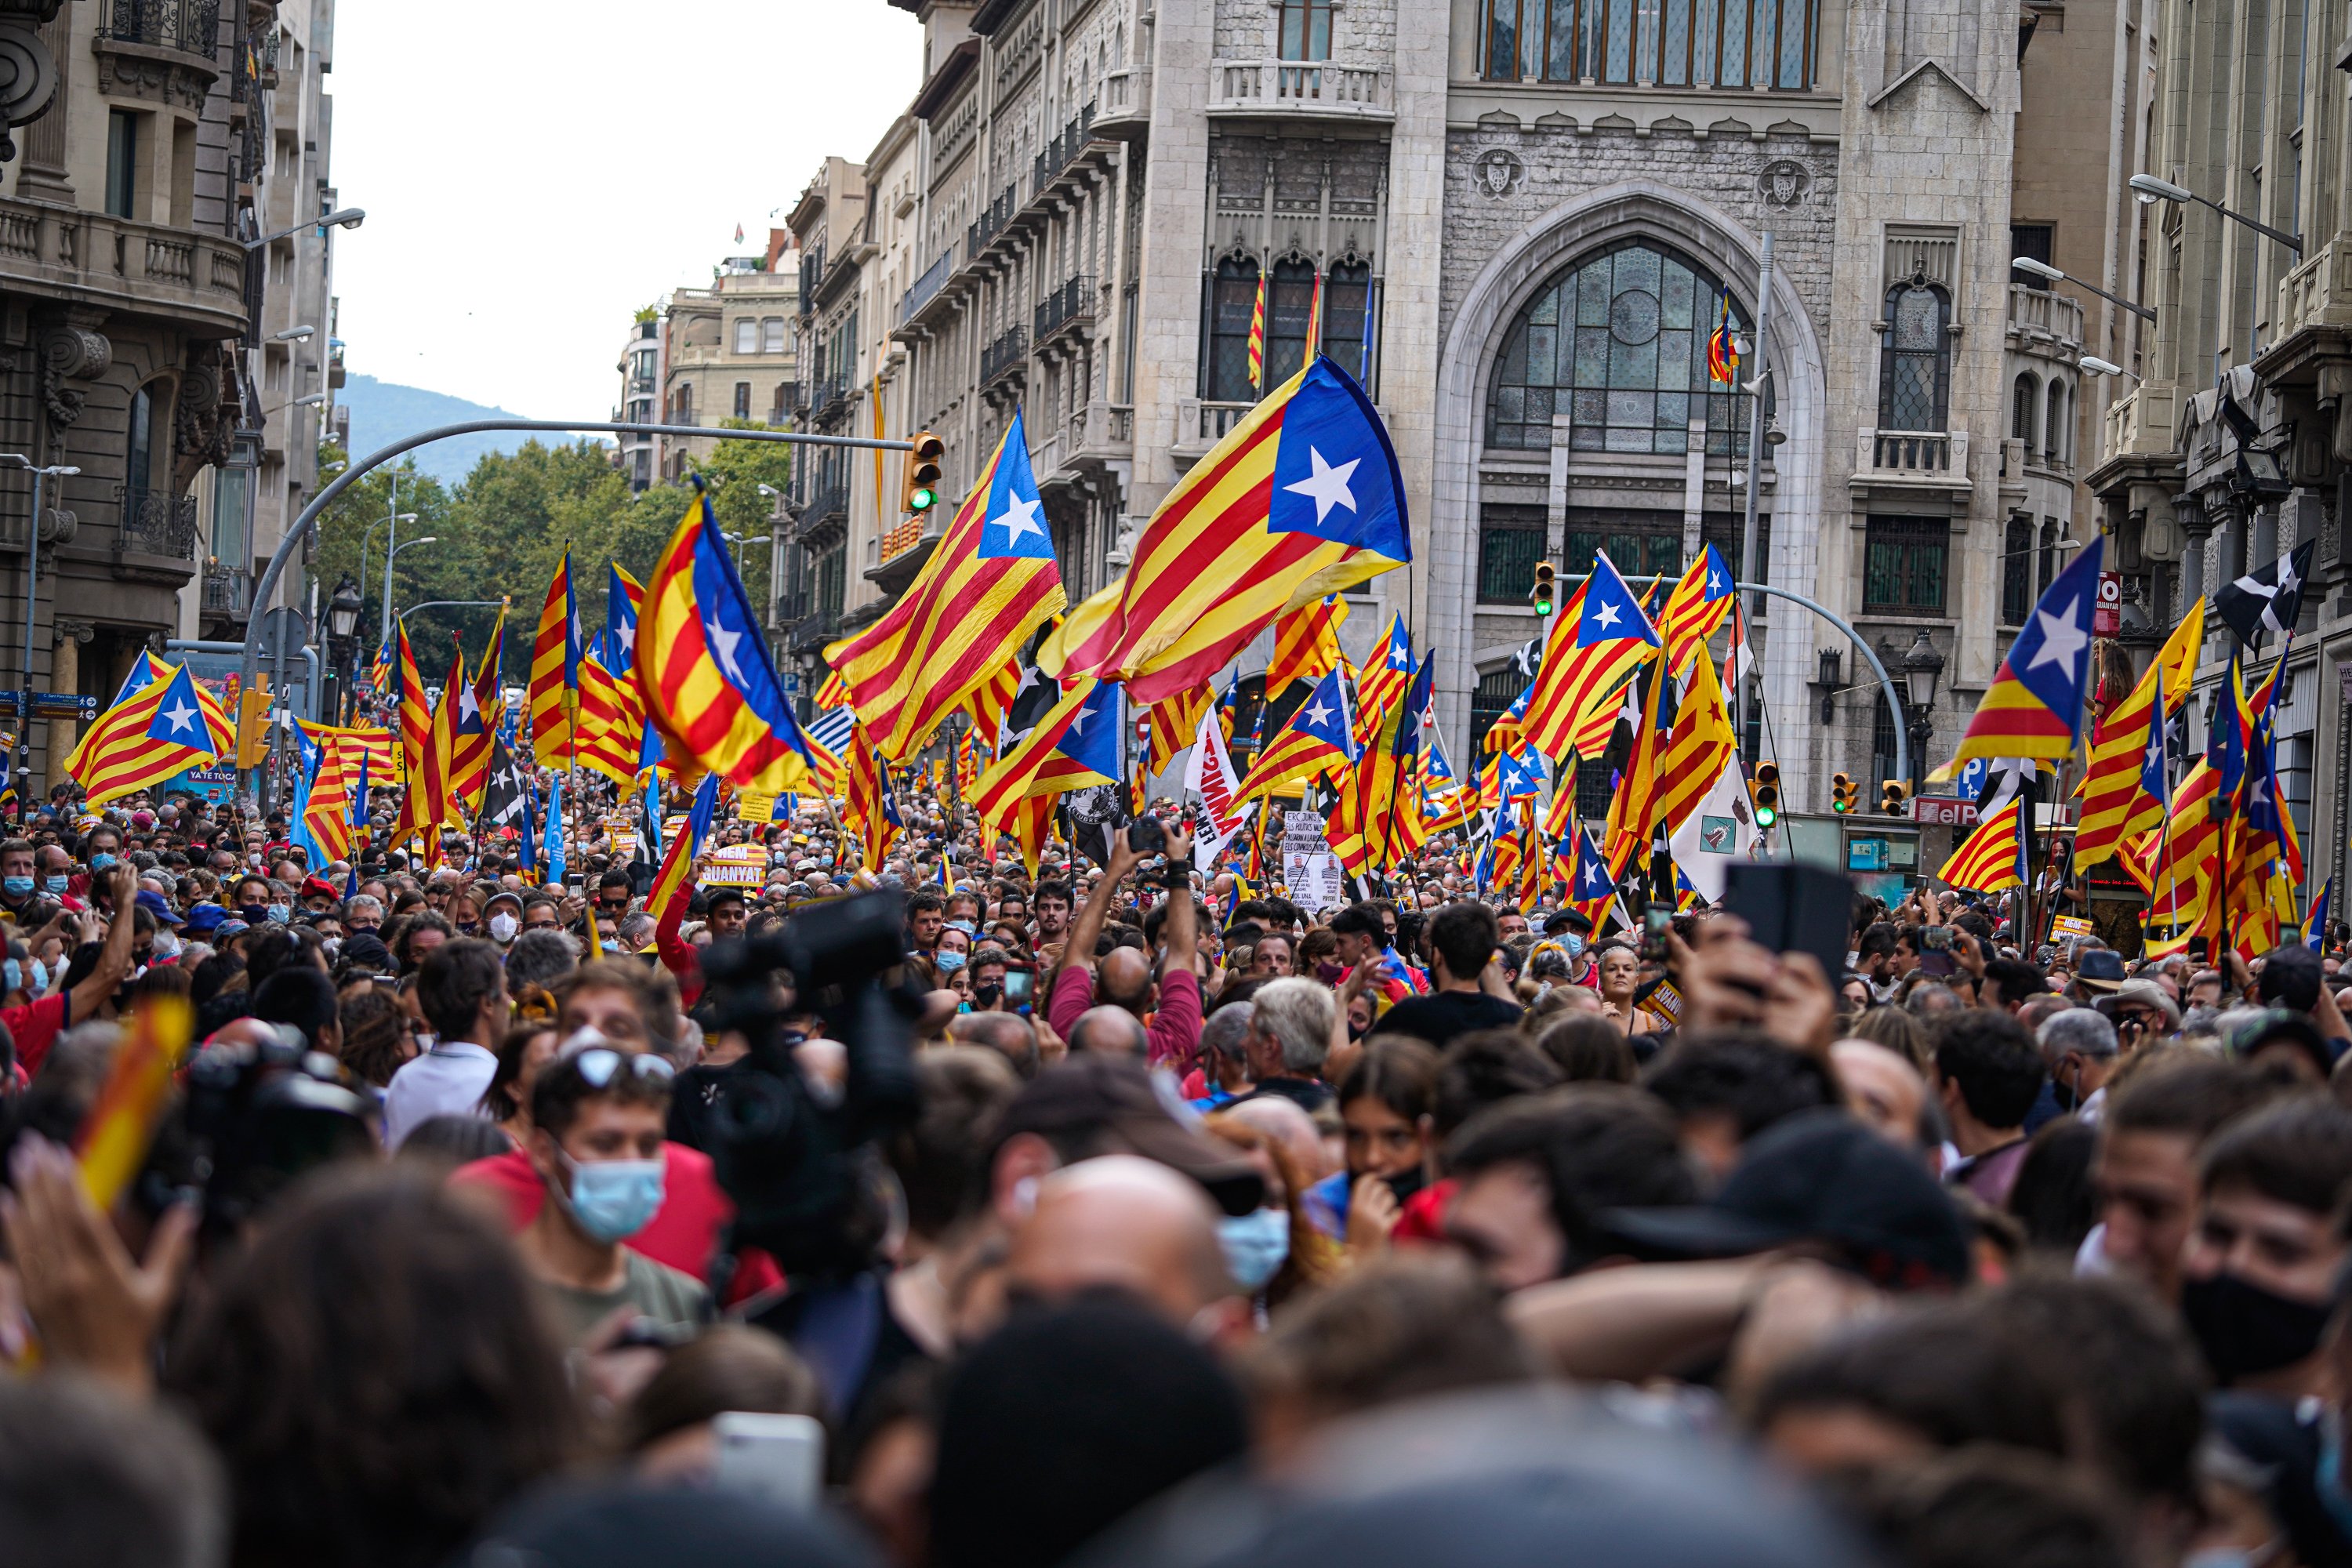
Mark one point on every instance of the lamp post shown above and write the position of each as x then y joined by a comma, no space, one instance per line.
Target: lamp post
367,543
32,589
342,644
2044,269
1923,667
391,555
2151,189
341,217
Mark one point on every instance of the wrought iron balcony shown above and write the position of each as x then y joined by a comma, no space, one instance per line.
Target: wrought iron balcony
157,524
1072,304
227,592
1008,353
190,27
927,285
990,221
1061,150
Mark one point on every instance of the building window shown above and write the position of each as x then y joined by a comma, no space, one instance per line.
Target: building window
686,403
1289,306
1915,367
742,400
2035,241
1618,343
2023,396
230,499
747,336
1641,545
1764,43
2016,570
1306,29
1903,565
1881,743
2046,565
1233,296
644,463
1346,304
1510,543
771,334
122,162
139,447
1497,691
2053,437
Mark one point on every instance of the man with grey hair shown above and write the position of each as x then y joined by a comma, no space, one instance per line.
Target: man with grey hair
363,913
1224,1059
1290,1028
2079,1046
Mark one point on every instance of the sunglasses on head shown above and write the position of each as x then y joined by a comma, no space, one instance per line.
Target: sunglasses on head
598,1064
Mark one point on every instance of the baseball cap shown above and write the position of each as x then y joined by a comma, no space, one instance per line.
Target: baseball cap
154,903
1108,1106
204,917
1820,1176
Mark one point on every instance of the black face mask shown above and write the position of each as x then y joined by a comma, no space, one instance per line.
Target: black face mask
986,996
1405,1184
2244,1330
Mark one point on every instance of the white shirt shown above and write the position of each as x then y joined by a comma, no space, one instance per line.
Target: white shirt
448,1080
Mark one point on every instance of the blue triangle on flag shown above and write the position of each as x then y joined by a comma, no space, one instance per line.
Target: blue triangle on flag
1093,738
1335,474
2051,657
179,717
1611,613
1014,526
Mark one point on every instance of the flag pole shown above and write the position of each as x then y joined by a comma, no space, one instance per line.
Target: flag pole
1748,562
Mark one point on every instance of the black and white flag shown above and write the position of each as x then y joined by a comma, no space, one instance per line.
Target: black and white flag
2268,599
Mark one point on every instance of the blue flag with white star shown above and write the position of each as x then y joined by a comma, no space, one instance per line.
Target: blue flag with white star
1096,735
1334,471
1013,527
1612,612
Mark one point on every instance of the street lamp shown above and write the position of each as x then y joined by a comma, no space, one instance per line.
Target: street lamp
313,399
292,335
2098,366
341,217
2151,189
1923,667
342,645
32,586
2044,269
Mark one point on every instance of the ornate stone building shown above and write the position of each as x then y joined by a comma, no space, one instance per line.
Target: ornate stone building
1522,218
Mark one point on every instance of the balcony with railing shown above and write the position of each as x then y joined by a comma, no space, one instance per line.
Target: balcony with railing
927,287
1070,306
1910,460
1008,355
1126,102
827,502
147,267
812,275
183,27
2038,318
982,230
154,533
1060,152
227,592
1322,88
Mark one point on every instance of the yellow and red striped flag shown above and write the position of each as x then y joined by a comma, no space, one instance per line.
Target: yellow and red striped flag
1600,639
834,692
2114,806
480,708
2188,870
1318,739
415,717
612,722
1388,668
2034,706
1301,500
1258,336
441,805
986,703
1174,720
1990,860
674,883
555,652
165,726
872,811
1695,608
114,1138
1074,744
1306,642
959,625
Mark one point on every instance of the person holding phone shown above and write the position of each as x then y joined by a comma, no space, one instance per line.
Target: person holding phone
1170,1003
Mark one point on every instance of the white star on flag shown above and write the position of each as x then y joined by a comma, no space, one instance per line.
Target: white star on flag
467,708
722,643
183,717
1716,586
1327,486
2061,639
1020,517
1606,615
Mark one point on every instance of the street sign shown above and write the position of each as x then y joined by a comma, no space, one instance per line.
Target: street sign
2108,616
1943,811
287,627
53,704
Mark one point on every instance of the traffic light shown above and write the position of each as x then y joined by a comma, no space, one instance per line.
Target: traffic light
1890,796
920,492
252,727
1764,787
1845,796
1544,594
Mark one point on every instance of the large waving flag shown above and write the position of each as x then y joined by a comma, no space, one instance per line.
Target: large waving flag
1991,858
1319,739
1590,652
1595,888
415,717
479,709
2314,919
167,725
1671,775
440,808
144,672
1076,745
1306,642
2186,900
1301,500
1694,610
872,811
703,670
555,653
611,731
1173,720
2117,802
2034,706
674,883
1388,669
987,586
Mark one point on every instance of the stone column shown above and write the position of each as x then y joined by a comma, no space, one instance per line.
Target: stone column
2196,528
2236,519
42,176
2262,546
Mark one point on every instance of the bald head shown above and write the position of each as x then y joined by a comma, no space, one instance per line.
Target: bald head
1283,1121
1123,979
1122,1223
1114,1031
1009,1035
1881,1089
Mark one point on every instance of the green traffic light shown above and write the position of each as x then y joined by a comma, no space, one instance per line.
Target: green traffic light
1766,816
923,501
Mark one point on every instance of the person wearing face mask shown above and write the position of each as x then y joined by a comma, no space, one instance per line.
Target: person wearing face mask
598,1117
2080,1047
54,878
35,1021
505,919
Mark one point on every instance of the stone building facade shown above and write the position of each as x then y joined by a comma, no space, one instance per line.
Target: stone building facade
1520,220
726,352
145,321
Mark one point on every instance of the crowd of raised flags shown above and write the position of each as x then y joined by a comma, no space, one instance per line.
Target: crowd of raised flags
1023,698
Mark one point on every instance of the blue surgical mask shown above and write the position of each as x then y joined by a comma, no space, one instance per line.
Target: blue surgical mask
12,976
18,887
1256,1244
613,1199
278,912
100,861
57,884
1574,944
950,961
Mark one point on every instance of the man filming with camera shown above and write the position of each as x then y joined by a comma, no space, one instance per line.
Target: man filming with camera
1167,1001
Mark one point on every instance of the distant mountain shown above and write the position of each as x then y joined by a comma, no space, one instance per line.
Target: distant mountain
382,412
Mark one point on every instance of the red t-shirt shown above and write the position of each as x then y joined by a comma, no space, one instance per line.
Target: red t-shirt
683,1232
1424,1215
35,1027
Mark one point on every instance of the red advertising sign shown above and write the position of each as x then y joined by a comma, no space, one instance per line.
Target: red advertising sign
2107,617
1943,811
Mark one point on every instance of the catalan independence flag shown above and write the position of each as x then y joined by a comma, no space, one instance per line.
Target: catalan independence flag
555,652
872,809
988,585
1173,720
1723,348
1386,673
147,670
1258,336
1303,499
1589,653
1076,745
1695,607
2034,706
1990,860
479,708
703,670
1306,642
611,725
674,883
2116,806
1320,739
380,672
415,715
168,725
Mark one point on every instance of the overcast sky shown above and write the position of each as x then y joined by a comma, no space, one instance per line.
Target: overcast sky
533,174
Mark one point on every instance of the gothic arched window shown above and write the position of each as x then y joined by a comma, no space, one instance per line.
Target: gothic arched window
1914,368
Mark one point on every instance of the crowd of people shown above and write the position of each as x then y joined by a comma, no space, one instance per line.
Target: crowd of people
1166,1221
